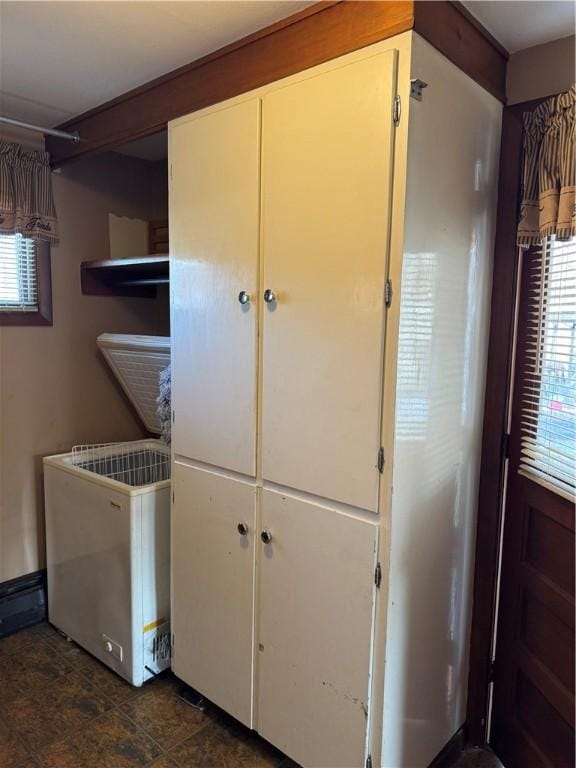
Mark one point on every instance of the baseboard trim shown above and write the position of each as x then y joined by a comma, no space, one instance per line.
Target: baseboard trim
22,602
451,751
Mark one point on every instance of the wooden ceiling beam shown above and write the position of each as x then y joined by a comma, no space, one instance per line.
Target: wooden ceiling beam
450,28
317,34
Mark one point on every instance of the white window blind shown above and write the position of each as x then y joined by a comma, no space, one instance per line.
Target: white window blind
548,418
18,279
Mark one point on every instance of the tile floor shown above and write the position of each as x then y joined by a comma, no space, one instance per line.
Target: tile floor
478,758
60,708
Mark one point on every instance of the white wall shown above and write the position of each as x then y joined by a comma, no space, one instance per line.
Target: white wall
55,390
454,141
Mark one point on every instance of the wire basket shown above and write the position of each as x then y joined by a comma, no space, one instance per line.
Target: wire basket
134,465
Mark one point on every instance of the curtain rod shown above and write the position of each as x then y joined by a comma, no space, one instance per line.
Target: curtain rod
75,137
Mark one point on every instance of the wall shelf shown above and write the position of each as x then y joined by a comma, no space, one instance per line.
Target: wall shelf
125,277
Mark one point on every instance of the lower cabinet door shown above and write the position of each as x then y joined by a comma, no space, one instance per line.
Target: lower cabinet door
213,521
314,631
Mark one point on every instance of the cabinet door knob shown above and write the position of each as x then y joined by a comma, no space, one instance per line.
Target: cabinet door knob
269,296
242,529
244,297
266,536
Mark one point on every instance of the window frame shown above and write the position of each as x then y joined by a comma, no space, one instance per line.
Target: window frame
530,378
43,315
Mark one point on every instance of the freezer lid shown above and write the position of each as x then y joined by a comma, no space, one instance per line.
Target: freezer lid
137,362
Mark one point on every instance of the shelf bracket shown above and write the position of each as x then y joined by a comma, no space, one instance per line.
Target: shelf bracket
416,88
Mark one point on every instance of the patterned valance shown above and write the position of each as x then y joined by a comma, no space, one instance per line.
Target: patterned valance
26,203
549,171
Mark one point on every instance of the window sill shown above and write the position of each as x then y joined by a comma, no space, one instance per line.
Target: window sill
24,318
43,317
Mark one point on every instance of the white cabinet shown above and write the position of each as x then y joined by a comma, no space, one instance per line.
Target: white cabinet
315,592
323,202
214,219
288,396
213,530
326,181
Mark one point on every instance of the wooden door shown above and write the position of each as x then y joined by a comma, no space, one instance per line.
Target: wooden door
533,704
214,234
213,586
326,179
314,632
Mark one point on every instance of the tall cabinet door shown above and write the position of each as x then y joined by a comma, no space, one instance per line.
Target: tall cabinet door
213,528
326,183
214,236
316,599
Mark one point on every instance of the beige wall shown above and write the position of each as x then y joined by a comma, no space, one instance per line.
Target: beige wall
541,71
55,390
28,139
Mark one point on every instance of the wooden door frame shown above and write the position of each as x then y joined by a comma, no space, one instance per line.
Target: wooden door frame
496,412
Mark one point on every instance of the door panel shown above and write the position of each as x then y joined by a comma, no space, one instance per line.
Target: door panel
212,587
214,223
326,176
316,594
534,683
533,700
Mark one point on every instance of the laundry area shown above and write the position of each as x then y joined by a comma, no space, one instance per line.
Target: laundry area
287,384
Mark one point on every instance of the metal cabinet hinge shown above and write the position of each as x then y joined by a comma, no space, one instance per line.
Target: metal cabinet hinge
369,761
396,110
492,671
416,88
381,460
172,497
388,292
378,575
505,446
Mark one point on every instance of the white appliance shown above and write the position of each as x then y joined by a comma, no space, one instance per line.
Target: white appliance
108,529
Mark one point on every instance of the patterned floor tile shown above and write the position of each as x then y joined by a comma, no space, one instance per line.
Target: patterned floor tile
35,666
216,746
44,631
13,753
67,704
61,708
165,762
165,717
111,741
111,684
478,758
73,654
13,644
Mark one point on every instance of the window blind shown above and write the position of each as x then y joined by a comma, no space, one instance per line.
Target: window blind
548,414
18,278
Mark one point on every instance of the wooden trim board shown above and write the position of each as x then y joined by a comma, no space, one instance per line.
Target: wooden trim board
451,29
316,35
320,33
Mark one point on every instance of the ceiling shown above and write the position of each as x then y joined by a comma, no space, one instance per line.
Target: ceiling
519,24
59,59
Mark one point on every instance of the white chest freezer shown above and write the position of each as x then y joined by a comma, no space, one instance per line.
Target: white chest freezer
108,530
